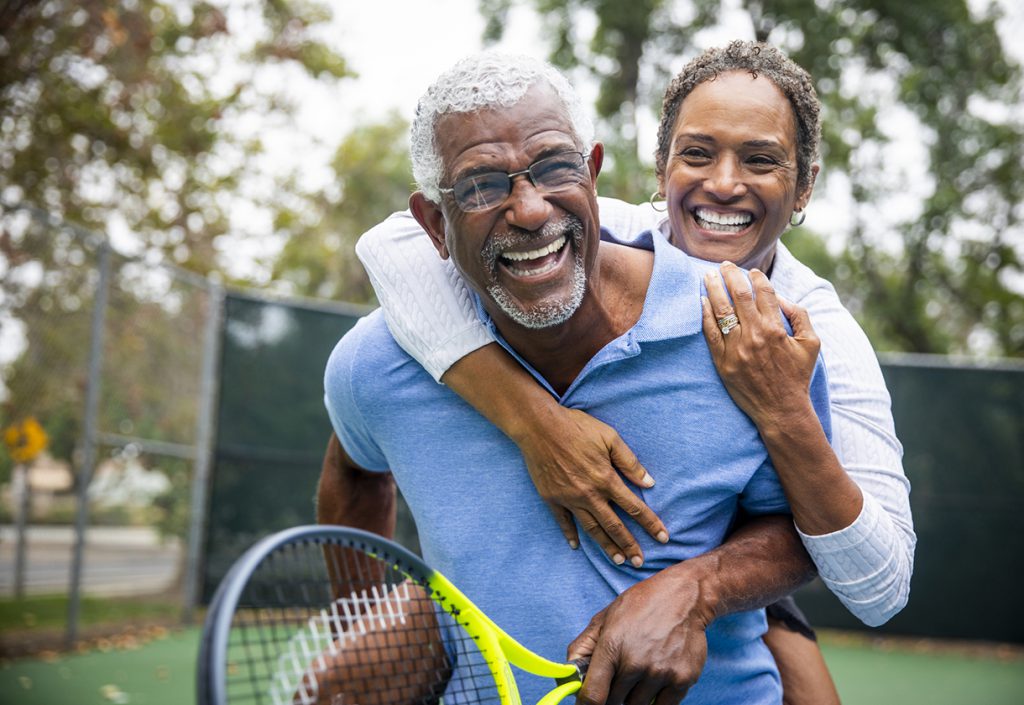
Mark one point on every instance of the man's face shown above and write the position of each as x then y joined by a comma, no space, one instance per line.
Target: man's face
530,255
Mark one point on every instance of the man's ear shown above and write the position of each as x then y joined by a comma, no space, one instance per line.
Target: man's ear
428,214
595,162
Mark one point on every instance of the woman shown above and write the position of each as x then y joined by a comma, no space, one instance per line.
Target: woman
735,162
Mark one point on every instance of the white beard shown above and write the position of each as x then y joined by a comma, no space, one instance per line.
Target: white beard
551,312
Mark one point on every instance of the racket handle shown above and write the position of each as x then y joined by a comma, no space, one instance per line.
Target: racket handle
581,664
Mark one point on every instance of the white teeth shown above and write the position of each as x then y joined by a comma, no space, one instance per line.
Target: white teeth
536,272
535,254
716,218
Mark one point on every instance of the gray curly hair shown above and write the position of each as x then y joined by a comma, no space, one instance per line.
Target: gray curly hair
485,80
759,59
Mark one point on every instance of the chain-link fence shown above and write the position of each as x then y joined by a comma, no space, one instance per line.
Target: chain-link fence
114,357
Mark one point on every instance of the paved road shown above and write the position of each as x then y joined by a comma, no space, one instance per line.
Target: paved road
116,562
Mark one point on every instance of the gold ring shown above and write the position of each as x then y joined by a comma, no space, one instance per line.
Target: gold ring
727,323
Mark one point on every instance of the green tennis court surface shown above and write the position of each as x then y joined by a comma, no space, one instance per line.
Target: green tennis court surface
867,673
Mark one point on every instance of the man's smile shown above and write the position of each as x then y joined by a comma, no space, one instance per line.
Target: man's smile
535,262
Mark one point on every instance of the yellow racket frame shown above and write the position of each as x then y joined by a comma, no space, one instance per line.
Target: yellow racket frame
500,650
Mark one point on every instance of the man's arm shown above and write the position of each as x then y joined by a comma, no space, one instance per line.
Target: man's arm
352,496
650,643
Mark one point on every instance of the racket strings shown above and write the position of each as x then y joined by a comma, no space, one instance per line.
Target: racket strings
334,625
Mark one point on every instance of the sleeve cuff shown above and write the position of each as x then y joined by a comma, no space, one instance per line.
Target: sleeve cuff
849,554
454,348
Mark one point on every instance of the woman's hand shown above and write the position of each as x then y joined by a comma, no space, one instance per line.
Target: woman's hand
768,374
572,459
766,370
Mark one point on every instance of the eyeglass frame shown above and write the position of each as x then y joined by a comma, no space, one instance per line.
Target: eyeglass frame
511,175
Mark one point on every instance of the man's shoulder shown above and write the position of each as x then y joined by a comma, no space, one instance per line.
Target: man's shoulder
365,350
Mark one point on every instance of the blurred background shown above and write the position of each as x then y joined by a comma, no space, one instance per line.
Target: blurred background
181,187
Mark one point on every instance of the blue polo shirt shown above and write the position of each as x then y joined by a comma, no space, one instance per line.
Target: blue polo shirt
483,525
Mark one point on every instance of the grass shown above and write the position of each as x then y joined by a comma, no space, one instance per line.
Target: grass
881,671
51,612
161,672
867,672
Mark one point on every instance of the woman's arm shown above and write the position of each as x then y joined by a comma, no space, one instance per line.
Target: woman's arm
572,458
856,544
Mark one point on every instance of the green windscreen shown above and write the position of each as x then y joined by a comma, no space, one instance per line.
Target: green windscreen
272,428
962,430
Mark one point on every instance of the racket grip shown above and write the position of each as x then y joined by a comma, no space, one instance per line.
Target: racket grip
581,665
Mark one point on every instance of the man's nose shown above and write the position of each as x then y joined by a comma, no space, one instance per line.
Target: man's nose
527,207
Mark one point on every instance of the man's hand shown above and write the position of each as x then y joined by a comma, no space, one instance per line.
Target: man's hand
648,645
572,459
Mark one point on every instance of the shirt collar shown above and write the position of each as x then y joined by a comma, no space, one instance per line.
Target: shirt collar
672,307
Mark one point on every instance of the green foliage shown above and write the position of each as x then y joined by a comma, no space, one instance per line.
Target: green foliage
945,279
127,116
110,109
173,506
372,176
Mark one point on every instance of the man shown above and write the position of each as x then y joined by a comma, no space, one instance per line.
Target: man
612,330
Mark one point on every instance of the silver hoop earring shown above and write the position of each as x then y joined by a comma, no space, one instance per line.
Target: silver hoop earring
651,201
799,221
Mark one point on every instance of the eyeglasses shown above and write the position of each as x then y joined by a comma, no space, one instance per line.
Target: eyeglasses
481,192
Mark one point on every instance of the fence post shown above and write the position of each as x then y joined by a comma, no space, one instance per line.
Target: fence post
22,503
205,423
87,455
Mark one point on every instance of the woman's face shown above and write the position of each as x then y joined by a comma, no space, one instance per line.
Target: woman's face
730,179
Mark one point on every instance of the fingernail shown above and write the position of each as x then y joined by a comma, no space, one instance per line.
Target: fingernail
647,481
574,545
618,559
755,269
637,561
662,537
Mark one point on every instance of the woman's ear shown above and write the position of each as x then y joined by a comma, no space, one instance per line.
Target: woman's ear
804,197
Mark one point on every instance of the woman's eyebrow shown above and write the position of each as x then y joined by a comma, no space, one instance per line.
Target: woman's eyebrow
695,136
763,144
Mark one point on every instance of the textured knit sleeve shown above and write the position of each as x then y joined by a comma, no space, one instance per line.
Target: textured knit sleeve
428,308
868,564
621,222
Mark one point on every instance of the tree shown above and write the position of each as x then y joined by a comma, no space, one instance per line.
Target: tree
126,117
371,175
939,279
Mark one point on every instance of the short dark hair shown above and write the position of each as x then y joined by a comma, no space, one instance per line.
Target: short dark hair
759,59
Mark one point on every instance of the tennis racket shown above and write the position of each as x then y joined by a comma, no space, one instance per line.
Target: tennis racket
328,615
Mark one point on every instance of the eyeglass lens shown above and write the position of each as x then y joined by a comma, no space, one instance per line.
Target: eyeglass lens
483,191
